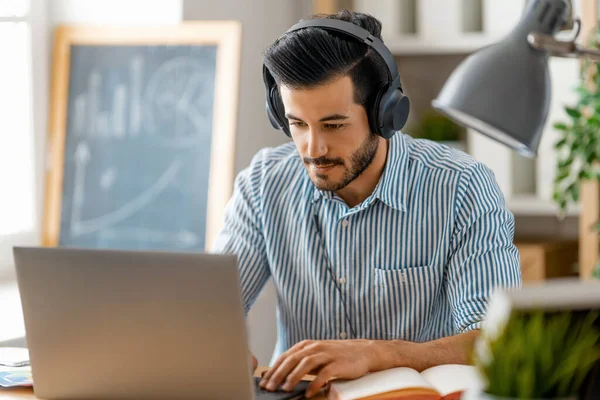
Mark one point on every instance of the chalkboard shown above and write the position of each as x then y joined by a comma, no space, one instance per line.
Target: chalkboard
142,133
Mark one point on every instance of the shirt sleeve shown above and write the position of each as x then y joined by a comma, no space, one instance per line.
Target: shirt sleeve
242,233
483,256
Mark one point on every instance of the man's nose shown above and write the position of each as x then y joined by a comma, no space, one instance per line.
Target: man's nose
316,145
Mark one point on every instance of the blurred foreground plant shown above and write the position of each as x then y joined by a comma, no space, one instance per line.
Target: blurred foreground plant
539,355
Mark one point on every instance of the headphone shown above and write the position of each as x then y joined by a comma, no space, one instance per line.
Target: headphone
389,110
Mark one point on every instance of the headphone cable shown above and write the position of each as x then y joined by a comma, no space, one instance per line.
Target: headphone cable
328,265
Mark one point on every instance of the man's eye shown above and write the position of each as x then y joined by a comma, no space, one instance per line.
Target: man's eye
334,126
297,124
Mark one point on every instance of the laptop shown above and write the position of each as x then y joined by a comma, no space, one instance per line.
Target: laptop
114,324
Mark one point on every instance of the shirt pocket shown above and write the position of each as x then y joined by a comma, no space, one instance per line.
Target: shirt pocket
403,300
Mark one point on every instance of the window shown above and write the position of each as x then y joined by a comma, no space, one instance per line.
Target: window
17,173
23,109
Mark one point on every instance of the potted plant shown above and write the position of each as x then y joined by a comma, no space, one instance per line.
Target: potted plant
579,143
538,355
437,127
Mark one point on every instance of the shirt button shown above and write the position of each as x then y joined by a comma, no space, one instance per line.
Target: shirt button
343,335
342,280
345,223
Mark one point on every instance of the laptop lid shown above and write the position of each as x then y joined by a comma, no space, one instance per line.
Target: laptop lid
126,324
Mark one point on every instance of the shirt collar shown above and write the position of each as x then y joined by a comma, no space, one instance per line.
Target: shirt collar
393,183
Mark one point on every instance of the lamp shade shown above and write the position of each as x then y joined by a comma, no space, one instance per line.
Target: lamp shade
503,90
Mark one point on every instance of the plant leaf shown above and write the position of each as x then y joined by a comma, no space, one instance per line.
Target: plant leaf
585,175
561,126
563,173
573,112
594,120
566,162
561,143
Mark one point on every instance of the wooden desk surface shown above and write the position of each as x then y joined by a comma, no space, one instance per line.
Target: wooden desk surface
16,394
27,393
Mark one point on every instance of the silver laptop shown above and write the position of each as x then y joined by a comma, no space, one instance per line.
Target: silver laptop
104,324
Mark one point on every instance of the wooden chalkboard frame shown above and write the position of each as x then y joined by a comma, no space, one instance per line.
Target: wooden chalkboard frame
226,35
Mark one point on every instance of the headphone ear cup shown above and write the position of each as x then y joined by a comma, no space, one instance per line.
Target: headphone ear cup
271,115
279,111
376,118
394,111
274,106
375,121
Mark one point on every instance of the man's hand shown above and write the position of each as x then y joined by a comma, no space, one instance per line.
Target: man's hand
348,359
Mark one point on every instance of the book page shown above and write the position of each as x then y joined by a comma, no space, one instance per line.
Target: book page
393,379
453,378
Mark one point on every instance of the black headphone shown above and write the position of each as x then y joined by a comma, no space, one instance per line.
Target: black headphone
389,111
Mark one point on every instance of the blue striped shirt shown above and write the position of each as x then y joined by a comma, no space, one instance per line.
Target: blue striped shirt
417,260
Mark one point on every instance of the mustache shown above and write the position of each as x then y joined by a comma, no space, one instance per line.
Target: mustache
321,161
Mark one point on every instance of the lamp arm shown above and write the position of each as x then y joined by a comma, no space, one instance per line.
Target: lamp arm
559,48
563,48
590,54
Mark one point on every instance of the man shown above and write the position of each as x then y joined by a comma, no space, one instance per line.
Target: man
383,252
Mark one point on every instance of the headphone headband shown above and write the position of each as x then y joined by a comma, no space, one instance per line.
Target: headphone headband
358,33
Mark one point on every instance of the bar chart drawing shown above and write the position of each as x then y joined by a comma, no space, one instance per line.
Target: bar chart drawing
90,120
172,98
136,76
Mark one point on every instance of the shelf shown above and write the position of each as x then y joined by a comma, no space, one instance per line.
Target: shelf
529,205
416,46
422,27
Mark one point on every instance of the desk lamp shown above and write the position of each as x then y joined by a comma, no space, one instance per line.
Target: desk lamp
503,90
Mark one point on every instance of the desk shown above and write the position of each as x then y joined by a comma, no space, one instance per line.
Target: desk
27,393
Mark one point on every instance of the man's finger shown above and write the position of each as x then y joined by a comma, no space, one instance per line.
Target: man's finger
285,368
321,380
267,375
308,364
292,350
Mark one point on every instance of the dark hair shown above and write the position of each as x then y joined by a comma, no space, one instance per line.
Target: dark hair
313,56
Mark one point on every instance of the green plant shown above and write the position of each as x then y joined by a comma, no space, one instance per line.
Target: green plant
579,143
596,271
540,355
437,127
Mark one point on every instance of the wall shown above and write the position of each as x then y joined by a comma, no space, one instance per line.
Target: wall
263,21
129,12
422,77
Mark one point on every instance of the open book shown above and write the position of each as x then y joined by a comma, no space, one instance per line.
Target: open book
445,382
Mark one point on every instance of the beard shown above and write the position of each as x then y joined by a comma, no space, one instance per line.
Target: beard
359,162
